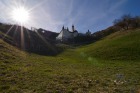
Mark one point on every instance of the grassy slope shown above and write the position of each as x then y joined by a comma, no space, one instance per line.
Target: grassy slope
79,70
122,45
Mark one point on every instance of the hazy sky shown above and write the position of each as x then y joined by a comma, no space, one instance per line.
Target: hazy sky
84,14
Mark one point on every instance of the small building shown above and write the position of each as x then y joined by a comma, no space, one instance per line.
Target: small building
66,35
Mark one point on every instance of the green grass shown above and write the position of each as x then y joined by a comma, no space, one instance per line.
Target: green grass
122,45
106,66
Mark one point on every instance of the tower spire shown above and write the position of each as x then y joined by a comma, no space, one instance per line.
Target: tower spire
63,27
73,28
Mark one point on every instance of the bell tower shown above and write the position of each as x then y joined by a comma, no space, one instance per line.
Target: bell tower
63,28
73,29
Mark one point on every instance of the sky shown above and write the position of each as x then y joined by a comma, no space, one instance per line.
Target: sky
94,15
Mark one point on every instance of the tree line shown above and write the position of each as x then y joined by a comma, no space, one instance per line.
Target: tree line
125,22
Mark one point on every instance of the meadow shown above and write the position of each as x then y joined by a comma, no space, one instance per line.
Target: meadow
110,65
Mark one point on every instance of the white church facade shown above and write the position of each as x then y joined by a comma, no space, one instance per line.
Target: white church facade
65,34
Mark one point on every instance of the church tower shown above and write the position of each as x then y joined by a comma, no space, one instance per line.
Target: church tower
63,28
73,28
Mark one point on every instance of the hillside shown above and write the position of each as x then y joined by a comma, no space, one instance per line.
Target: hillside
8,52
38,41
121,45
83,69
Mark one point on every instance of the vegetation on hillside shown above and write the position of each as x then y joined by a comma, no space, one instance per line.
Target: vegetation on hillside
110,65
126,22
122,45
86,69
39,41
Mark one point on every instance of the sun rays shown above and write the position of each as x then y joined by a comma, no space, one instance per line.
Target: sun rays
20,15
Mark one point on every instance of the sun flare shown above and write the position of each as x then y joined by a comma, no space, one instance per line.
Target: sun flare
20,15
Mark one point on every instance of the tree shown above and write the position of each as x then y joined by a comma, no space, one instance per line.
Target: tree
127,21
136,21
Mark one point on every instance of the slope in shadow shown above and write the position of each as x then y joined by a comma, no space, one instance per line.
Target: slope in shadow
38,41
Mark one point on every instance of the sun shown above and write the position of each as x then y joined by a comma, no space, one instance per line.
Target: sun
20,15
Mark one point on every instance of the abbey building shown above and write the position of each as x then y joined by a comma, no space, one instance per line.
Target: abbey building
65,34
